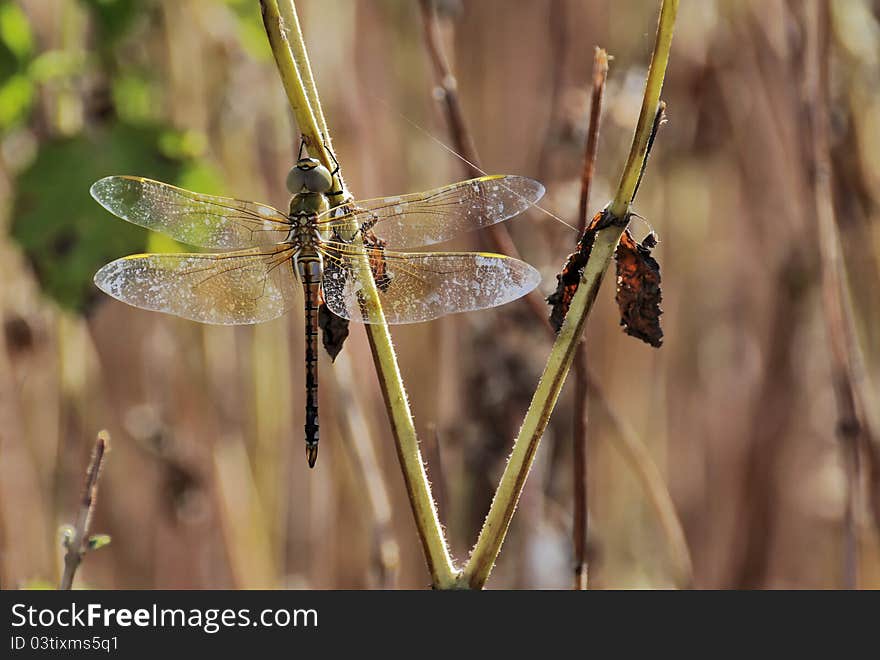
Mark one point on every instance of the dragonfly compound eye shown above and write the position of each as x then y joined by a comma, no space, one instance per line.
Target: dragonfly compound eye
308,174
318,179
296,180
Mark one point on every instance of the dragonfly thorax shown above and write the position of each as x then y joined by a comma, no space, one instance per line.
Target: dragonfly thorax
303,230
307,203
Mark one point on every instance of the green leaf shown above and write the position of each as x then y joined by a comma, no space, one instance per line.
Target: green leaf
54,64
16,47
201,177
15,31
65,234
16,98
98,541
183,144
136,99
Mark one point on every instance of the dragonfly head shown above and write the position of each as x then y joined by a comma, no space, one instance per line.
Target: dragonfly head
308,175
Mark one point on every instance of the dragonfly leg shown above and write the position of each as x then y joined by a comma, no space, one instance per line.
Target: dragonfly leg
333,156
333,193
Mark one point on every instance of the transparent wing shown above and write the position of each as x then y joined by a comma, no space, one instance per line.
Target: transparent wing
227,289
416,287
218,223
438,215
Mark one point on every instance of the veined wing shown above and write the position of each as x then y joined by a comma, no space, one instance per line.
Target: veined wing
218,223
227,289
414,287
438,215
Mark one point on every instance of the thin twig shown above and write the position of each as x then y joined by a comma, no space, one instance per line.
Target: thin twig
516,471
600,74
464,143
580,522
293,65
76,541
853,428
462,137
449,88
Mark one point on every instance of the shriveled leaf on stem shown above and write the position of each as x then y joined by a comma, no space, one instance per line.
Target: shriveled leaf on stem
638,289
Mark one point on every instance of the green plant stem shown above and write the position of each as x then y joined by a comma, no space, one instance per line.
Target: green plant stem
293,31
322,142
516,471
292,81
650,102
288,47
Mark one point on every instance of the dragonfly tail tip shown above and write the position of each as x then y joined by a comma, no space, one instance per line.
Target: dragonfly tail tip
312,454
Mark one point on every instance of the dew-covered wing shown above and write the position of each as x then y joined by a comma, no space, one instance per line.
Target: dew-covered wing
228,289
217,223
414,287
441,214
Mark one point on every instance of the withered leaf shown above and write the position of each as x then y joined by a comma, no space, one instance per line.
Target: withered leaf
334,330
376,252
638,288
567,281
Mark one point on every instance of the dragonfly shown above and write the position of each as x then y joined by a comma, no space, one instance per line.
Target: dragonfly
263,257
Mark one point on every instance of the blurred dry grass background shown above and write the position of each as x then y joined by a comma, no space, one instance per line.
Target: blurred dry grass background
207,485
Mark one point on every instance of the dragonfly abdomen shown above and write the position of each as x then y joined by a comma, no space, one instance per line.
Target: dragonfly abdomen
310,274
